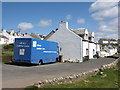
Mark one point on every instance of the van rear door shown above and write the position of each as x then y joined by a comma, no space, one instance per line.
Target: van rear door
22,49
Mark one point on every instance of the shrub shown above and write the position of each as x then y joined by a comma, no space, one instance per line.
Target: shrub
8,47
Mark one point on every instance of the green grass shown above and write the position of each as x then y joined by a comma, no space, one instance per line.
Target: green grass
31,88
111,81
7,53
97,81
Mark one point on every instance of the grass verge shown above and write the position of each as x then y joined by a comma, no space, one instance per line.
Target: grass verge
108,79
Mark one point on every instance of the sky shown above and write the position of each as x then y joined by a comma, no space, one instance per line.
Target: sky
43,17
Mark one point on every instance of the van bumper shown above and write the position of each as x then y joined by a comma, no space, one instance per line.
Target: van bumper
22,61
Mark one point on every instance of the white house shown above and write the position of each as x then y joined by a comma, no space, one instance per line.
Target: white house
4,37
108,50
107,41
8,37
89,46
98,48
70,44
82,32
113,41
74,44
103,41
104,53
91,36
92,50
93,46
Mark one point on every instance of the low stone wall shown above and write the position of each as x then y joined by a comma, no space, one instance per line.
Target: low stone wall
110,65
75,77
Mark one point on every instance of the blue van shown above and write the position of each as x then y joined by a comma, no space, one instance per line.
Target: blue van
35,51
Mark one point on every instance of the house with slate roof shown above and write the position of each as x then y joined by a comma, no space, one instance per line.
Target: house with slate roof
74,45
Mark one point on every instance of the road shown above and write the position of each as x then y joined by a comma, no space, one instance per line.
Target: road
14,76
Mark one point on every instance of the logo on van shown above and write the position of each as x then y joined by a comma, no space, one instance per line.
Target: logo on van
34,43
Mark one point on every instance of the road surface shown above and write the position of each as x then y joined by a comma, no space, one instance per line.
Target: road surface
15,76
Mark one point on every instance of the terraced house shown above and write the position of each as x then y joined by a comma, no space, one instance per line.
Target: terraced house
74,45
8,37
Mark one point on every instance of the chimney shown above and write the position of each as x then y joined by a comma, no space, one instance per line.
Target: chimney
63,25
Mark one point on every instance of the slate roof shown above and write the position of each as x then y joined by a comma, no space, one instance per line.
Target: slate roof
27,36
104,39
79,31
49,35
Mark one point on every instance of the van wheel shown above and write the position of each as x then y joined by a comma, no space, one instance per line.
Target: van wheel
40,62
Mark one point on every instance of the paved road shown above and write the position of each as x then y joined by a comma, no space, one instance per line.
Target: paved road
21,76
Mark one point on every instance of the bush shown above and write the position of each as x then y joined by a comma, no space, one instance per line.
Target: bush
7,53
8,47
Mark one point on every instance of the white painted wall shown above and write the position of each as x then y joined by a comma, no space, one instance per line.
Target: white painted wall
4,37
10,37
98,47
91,35
109,51
3,41
86,34
85,46
105,42
115,50
92,46
69,42
114,42
112,51
103,53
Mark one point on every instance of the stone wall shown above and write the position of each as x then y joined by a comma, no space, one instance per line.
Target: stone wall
75,77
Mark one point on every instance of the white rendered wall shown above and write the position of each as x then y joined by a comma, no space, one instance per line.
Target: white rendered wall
103,54
91,47
115,50
112,51
105,42
98,47
11,38
3,41
70,44
85,46
114,42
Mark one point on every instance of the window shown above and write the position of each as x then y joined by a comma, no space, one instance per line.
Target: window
90,38
22,52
